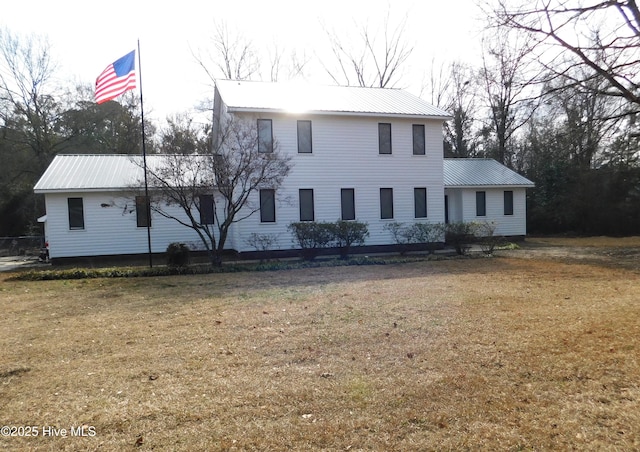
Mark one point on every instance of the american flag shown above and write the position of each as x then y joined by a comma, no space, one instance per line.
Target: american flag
117,78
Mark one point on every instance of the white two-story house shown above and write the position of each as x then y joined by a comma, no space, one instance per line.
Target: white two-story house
368,154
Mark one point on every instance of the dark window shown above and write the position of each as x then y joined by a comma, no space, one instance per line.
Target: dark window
420,202
304,137
508,202
76,213
267,206
386,203
306,204
206,209
265,135
481,204
143,211
418,139
384,138
347,201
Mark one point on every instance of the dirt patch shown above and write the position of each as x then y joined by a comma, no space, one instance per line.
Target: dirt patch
622,252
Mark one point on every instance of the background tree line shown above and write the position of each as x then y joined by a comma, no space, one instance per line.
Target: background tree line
554,96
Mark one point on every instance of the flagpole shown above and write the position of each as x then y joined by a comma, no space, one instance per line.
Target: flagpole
144,162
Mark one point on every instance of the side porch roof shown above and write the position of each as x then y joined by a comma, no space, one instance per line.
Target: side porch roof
478,172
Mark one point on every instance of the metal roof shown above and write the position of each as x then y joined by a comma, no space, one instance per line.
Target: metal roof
295,97
106,172
473,172
110,172
91,172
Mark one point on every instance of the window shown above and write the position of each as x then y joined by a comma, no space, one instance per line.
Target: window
348,205
267,206
508,202
384,138
76,213
306,204
143,211
420,202
418,139
481,203
265,135
206,209
386,203
304,137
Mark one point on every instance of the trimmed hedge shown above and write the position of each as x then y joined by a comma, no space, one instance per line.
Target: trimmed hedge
312,236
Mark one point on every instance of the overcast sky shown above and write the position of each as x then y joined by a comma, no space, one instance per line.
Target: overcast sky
87,36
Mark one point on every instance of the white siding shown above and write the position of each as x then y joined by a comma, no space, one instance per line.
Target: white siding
462,207
345,155
108,230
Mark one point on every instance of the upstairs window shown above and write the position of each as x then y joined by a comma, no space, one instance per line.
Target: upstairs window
76,213
304,137
508,202
384,138
206,209
418,139
386,203
347,203
420,202
265,135
306,204
481,203
267,206
143,212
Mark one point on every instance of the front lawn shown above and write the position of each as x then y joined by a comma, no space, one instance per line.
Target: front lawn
483,354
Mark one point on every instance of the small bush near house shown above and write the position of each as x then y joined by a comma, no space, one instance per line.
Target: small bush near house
485,231
461,235
311,237
262,242
402,235
177,255
347,234
428,234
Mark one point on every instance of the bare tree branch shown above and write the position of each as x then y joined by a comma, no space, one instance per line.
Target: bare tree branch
556,25
378,59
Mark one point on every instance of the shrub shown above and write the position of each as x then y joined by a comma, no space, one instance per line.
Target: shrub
428,234
347,234
461,235
262,242
401,234
311,236
177,255
487,238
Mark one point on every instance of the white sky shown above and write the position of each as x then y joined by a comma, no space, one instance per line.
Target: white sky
87,36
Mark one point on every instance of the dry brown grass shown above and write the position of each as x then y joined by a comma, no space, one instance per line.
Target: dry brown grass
473,354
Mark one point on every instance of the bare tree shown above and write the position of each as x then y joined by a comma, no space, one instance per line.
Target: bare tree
377,59
233,57
214,190
291,63
506,76
454,89
26,70
586,117
601,35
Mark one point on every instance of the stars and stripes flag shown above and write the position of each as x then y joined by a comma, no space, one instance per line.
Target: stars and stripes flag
117,78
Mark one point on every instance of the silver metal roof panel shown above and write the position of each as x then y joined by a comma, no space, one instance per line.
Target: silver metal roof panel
474,172
294,97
